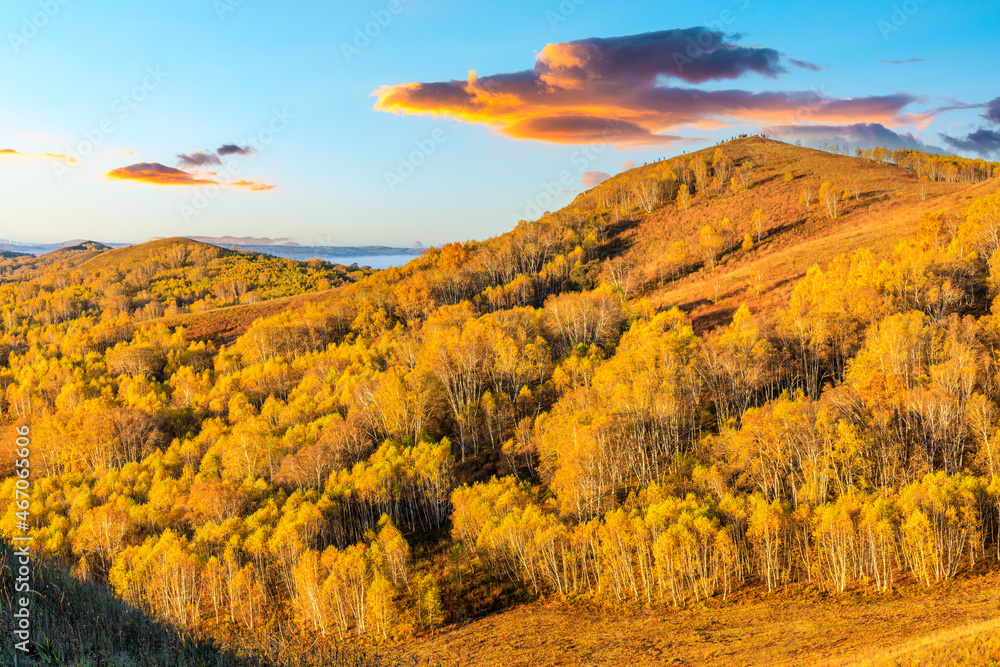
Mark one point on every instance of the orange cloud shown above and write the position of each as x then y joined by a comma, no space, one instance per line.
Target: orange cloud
154,172
10,152
158,174
635,90
256,186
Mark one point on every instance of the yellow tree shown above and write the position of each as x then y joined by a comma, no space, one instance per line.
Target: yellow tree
828,196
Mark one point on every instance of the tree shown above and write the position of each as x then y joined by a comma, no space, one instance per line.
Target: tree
805,197
745,175
828,196
711,243
700,171
683,198
758,222
583,318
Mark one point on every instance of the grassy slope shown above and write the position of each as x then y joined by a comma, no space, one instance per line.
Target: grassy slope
795,626
133,254
889,209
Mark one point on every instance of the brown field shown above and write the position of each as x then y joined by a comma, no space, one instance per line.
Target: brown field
799,626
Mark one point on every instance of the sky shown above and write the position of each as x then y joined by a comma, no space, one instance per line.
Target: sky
386,122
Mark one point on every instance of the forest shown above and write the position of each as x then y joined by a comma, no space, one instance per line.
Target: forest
377,454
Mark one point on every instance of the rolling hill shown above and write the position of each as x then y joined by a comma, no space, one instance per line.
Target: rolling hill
605,432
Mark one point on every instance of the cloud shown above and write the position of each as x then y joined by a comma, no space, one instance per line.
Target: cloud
10,152
593,178
257,186
634,90
992,114
158,174
629,164
198,158
802,64
905,61
124,153
983,142
864,135
233,149
154,172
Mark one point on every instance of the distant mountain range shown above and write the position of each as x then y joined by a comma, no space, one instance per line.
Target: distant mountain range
280,247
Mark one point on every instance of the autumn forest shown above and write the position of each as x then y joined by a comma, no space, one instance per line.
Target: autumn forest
757,367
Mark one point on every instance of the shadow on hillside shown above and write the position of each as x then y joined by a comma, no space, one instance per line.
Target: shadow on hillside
616,245
77,623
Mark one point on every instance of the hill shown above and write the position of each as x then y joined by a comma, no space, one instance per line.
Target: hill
951,625
885,204
586,415
24,266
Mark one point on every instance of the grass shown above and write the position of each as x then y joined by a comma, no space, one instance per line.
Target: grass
951,623
977,645
888,209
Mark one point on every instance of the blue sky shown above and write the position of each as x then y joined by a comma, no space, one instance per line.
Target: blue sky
145,82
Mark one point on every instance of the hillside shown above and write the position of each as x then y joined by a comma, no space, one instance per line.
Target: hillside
589,420
23,266
953,624
888,208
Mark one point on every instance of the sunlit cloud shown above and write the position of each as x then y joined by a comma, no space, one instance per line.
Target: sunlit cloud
154,172
159,174
593,178
10,152
637,90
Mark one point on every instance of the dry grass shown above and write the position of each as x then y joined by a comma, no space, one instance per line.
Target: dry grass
888,209
797,626
976,645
